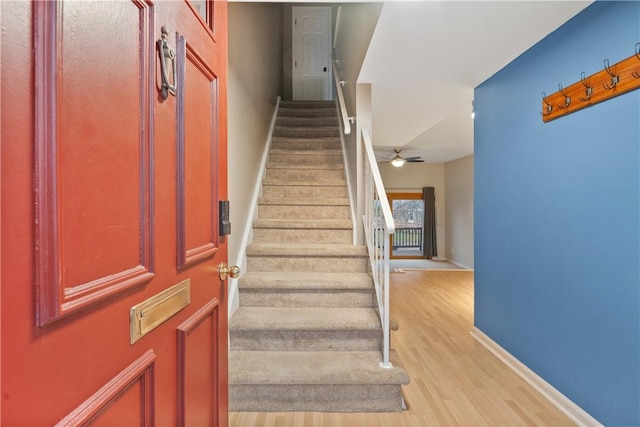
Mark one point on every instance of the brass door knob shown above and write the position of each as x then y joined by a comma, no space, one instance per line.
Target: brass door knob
224,270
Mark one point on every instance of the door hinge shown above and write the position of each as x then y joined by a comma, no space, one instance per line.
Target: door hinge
295,22
296,63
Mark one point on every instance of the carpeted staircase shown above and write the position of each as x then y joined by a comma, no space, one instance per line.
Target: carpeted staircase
307,336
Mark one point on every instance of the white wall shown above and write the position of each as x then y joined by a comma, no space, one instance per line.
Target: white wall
357,23
356,156
255,81
410,178
458,175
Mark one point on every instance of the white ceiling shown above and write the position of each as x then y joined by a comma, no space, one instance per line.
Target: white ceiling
426,57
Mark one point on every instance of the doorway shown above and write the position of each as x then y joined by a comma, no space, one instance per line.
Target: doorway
311,74
407,242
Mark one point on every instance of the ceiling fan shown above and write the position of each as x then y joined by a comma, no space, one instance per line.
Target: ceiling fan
398,160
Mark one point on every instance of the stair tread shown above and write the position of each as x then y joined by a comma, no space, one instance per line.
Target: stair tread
308,113
305,319
288,108
307,167
306,132
316,183
307,153
335,139
336,224
313,121
299,280
317,201
307,104
312,367
306,249
280,116
324,126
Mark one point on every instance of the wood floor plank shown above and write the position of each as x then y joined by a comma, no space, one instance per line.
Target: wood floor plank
454,380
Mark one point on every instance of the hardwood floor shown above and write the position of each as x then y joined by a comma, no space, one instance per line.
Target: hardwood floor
454,380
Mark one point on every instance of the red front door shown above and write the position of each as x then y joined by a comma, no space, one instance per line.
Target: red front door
113,312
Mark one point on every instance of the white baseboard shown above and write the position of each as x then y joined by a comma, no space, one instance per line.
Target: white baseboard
557,399
458,264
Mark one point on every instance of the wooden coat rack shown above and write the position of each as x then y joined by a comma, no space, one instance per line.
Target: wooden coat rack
608,83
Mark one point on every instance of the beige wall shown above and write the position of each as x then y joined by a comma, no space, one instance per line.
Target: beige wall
255,81
357,23
410,178
458,176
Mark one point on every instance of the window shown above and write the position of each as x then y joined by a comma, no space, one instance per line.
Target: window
408,214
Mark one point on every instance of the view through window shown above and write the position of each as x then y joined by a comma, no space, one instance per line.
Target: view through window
408,215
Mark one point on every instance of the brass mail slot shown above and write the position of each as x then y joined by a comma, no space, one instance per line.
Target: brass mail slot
149,314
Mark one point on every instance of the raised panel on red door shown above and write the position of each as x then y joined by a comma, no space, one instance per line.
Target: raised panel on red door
197,139
125,400
198,376
90,214
201,181
92,153
76,199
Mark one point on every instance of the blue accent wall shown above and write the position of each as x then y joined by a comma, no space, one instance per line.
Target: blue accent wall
557,217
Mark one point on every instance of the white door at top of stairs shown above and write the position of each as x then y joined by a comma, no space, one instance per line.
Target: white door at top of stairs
311,74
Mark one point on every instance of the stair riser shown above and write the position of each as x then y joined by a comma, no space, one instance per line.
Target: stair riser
323,264
306,298
332,160
303,191
303,212
308,104
301,340
303,145
288,235
307,122
306,132
305,174
307,112
315,397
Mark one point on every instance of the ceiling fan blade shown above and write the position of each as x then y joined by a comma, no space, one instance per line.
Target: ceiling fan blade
397,156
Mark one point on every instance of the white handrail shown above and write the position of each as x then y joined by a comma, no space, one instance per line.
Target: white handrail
379,186
378,227
341,103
